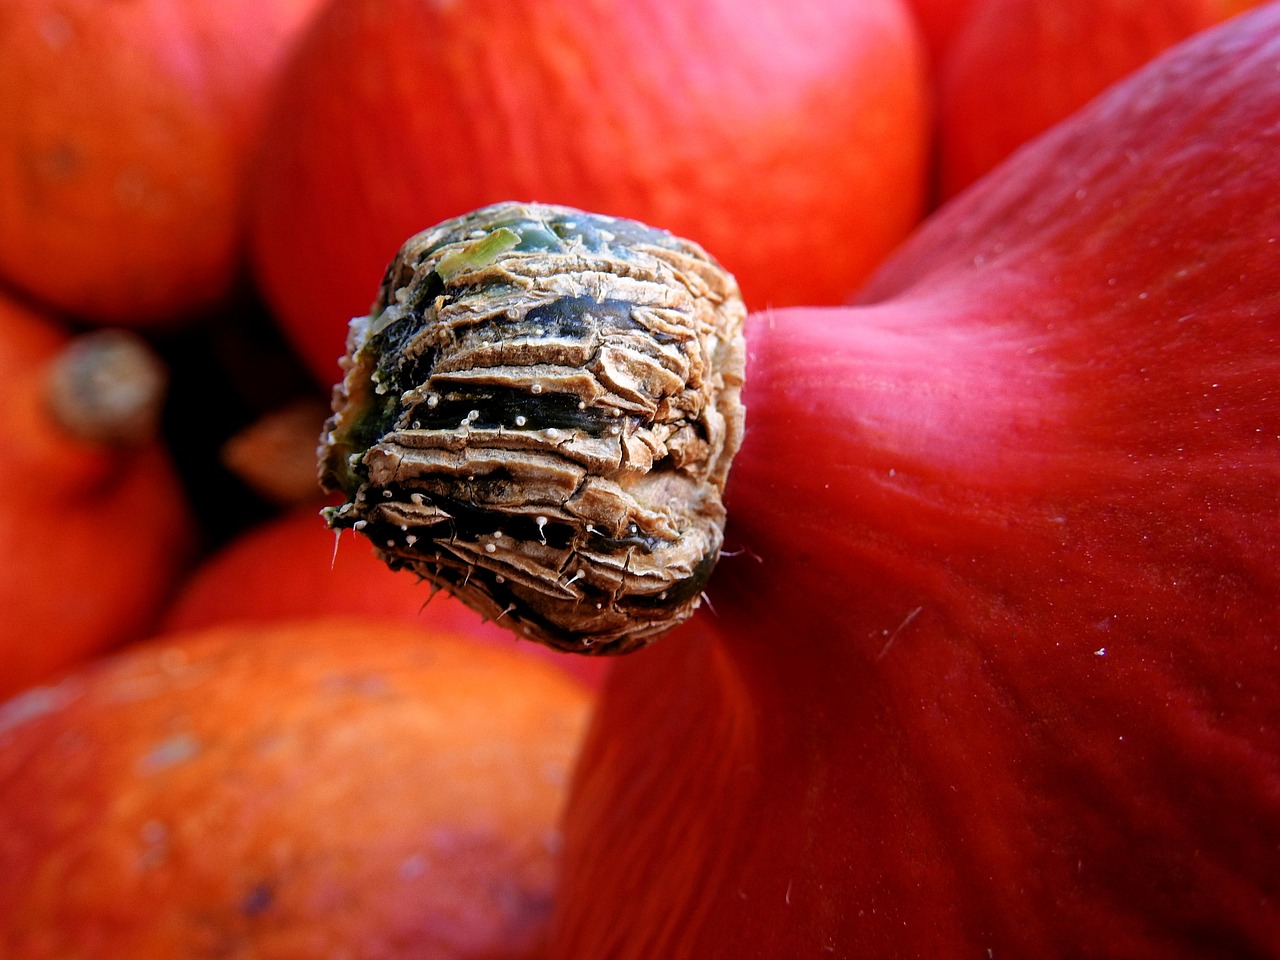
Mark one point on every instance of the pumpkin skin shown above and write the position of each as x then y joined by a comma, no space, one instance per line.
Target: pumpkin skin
309,789
940,21
991,102
125,135
295,566
996,670
93,536
700,117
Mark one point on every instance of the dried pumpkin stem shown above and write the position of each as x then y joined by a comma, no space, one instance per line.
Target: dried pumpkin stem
539,415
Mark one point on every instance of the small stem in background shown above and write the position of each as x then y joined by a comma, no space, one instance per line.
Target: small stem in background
276,454
108,386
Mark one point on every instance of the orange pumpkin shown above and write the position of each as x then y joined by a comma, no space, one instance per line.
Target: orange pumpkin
125,131
789,139
93,535
293,566
319,789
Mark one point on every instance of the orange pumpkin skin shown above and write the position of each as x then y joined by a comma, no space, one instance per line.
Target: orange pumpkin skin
92,538
293,567
992,101
315,789
788,139
125,133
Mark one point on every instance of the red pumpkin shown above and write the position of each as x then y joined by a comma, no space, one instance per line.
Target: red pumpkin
294,566
94,533
125,133
1017,67
787,139
319,789
940,21
997,671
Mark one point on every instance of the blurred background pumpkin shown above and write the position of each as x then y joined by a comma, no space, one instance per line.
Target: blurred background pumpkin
95,531
1011,69
126,131
788,139
327,788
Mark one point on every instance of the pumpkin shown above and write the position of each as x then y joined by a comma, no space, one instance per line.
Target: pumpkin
990,101
939,22
995,671
323,788
125,136
94,524
292,566
789,140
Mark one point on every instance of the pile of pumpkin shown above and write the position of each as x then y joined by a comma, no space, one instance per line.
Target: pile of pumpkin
990,667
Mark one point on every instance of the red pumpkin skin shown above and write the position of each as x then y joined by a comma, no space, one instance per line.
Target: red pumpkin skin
788,139
996,673
93,538
292,567
1014,68
940,21
125,136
